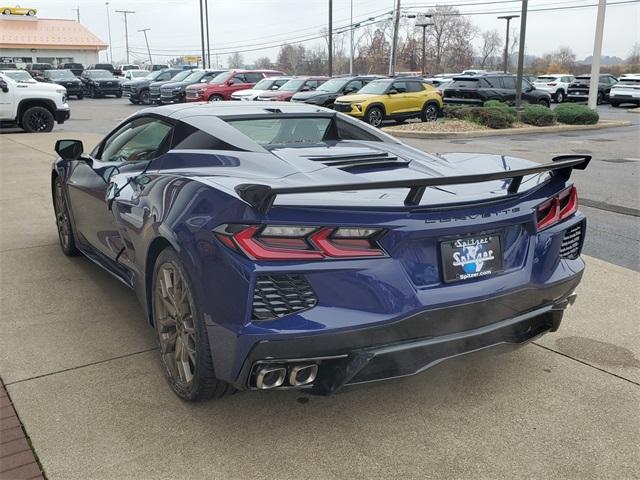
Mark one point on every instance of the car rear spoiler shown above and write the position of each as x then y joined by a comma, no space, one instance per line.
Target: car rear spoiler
262,197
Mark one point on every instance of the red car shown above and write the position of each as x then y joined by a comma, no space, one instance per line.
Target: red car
223,85
293,86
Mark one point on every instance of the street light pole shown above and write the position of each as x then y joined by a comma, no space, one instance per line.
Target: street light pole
595,60
424,26
523,31
126,29
144,30
206,21
394,41
109,30
204,58
330,37
506,43
351,42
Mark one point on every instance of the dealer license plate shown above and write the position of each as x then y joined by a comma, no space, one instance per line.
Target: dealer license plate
471,257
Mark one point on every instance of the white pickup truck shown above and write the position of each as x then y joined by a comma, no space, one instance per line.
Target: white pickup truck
31,105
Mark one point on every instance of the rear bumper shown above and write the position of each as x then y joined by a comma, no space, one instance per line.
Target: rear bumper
416,343
462,101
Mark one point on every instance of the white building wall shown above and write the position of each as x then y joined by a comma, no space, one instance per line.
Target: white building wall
19,55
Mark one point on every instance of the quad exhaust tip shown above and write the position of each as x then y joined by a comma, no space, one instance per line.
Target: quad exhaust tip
274,376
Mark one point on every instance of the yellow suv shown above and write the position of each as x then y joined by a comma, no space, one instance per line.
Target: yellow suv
394,99
18,11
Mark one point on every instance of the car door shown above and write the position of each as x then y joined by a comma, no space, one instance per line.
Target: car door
127,150
508,89
416,96
397,103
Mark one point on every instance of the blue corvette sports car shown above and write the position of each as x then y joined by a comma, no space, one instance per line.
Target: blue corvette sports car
291,246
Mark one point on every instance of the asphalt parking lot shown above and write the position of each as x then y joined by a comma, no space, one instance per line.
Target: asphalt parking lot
80,364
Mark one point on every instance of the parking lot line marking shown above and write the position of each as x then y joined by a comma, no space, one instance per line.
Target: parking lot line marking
81,366
587,364
609,207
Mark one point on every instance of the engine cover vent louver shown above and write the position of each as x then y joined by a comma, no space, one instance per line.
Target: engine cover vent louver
350,163
572,242
281,294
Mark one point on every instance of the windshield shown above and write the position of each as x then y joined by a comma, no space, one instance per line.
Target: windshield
181,76
60,75
292,85
334,85
195,76
20,76
264,84
377,87
221,77
100,74
283,131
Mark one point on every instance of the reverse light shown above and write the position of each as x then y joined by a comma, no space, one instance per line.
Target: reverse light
286,243
558,208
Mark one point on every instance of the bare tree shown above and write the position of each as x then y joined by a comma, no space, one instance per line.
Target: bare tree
564,57
634,55
263,63
491,43
235,60
450,29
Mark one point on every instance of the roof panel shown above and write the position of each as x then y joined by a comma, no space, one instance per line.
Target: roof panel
46,33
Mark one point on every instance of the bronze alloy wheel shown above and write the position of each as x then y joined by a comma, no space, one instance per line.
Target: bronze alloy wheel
63,221
175,324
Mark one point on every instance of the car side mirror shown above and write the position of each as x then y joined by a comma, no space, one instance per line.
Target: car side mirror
69,149
274,87
305,89
393,91
4,86
349,90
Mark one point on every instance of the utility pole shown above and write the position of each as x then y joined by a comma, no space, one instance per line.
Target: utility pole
206,21
109,29
77,10
424,24
595,60
126,29
144,30
394,41
351,42
523,28
330,38
204,58
506,43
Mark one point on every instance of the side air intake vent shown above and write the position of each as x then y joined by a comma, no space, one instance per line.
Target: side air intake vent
350,163
572,242
277,295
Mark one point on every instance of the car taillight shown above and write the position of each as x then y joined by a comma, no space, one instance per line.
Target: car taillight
557,208
285,242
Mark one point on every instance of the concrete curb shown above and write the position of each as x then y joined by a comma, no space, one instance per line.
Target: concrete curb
508,131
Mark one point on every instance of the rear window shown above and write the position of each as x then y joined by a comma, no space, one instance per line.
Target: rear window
284,131
629,81
583,78
544,79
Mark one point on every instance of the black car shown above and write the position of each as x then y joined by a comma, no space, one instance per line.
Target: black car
67,79
174,92
155,68
98,83
154,87
578,90
76,68
8,66
138,90
37,69
102,66
327,93
477,89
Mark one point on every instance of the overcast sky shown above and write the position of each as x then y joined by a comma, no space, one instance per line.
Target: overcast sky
250,24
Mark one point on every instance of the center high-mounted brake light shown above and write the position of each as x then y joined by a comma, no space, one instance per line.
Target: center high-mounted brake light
557,208
283,242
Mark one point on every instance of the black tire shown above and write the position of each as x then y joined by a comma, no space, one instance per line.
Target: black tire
6,11
429,112
145,97
374,117
63,220
559,96
216,98
80,96
31,13
36,120
599,98
92,92
119,95
168,273
400,121
614,104
544,102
